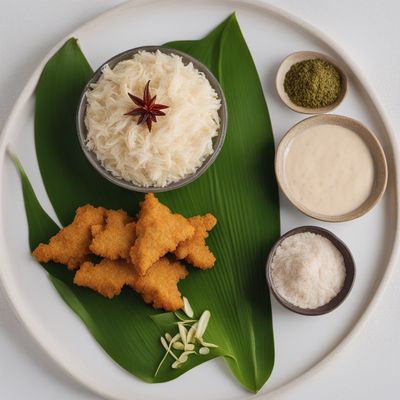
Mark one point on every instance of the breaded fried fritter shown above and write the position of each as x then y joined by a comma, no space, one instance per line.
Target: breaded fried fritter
108,277
194,250
70,246
159,286
114,239
158,232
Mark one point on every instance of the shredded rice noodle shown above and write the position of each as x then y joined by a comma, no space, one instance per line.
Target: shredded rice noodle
178,143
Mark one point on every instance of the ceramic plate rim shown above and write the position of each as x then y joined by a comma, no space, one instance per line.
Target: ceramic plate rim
265,7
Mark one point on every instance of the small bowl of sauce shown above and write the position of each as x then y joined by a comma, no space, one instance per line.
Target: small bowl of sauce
332,168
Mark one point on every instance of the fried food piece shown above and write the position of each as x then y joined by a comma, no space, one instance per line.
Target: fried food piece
194,250
108,277
159,286
70,246
114,239
158,232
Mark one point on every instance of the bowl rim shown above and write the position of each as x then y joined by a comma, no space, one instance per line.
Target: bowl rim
218,140
292,59
350,267
377,153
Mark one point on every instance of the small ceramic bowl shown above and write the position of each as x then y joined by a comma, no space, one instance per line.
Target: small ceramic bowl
348,281
378,156
294,58
218,140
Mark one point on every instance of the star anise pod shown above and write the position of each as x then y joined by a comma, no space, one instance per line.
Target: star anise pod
148,110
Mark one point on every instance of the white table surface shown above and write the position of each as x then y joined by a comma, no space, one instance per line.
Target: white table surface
369,31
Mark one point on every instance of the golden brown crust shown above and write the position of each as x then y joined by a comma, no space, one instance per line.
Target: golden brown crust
158,232
70,246
159,286
108,277
133,253
194,250
114,239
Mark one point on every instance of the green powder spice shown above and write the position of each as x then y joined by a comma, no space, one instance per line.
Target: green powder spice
313,83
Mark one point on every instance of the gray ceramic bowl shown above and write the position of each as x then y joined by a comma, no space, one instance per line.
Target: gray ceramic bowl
218,141
348,281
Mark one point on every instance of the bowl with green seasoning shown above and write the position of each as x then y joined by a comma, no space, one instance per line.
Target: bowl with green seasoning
309,82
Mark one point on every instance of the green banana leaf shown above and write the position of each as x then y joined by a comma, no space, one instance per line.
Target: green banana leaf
239,189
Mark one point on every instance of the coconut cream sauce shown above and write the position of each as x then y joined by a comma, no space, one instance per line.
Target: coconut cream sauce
329,169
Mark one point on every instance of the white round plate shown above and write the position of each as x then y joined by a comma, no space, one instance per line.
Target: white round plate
302,343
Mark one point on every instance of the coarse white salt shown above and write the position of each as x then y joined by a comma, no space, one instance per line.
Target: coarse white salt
307,270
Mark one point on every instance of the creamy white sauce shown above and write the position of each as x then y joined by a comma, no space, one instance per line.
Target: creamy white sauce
329,169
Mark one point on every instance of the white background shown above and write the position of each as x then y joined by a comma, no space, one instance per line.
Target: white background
369,30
